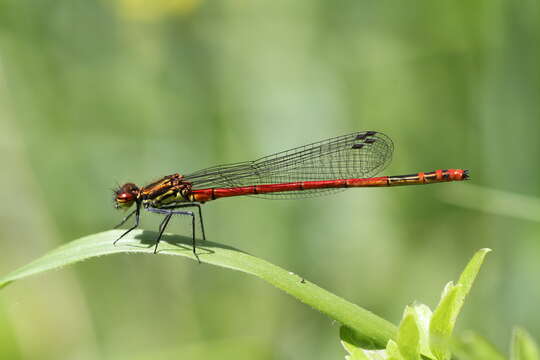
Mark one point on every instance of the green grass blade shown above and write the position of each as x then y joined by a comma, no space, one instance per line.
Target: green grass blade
366,324
493,201
348,342
523,346
472,346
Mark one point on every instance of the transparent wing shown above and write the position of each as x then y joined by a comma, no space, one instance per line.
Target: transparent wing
356,155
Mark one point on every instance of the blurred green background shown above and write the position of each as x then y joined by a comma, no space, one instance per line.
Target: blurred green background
95,93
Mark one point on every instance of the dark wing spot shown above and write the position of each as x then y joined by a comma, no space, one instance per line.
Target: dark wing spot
366,134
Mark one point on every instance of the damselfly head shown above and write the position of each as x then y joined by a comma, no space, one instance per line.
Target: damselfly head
126,195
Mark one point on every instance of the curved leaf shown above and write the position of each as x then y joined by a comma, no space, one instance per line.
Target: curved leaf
362,321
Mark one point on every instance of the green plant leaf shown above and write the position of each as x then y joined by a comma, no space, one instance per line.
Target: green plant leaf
392,350
472,346
364,323
471,271
523,346
445,316
348,342
408,337
423,316
442,322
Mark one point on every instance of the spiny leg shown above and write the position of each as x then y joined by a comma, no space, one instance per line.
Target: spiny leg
137,216
170,212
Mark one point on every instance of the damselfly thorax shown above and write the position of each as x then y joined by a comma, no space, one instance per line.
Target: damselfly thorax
167,190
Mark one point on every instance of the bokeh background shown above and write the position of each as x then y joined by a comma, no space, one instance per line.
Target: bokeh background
95,93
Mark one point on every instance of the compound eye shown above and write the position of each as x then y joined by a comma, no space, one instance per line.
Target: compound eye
126,195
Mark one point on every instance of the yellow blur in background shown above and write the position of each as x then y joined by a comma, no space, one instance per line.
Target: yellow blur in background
97,93
149,11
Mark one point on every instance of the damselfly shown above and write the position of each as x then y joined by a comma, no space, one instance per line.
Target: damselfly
320,168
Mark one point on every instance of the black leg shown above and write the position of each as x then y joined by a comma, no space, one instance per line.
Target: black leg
125,219
169,213
201,221
137,212
162,227
193,241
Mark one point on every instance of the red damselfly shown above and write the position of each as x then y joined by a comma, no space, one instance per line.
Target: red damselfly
319,168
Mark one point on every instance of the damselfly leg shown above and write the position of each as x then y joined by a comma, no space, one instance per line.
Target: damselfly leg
169,212
137,213
126,218
187,205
